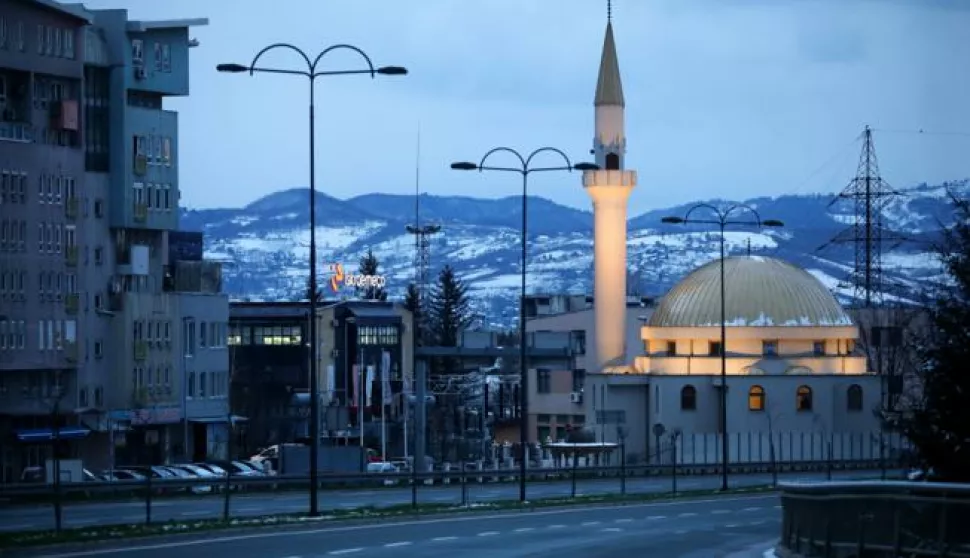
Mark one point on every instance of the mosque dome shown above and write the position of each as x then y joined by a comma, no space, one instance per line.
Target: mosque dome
761,292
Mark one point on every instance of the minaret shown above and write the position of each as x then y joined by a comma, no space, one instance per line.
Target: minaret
610,189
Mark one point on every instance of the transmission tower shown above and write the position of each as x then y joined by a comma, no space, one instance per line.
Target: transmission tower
422,239
869,194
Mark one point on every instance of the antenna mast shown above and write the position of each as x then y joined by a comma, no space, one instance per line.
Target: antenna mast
422,240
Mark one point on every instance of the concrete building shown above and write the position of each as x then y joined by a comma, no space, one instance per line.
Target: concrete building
96,322
793,366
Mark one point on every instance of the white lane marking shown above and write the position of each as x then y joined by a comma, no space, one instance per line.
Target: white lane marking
760,522
687,514
195,513
344,551
139,549
721,512
777,507
557,526
440,539
524,529
732,525
590,523
442,498
249,509
681,532
611,530
656,517
623,521
751,509
488,533
397,544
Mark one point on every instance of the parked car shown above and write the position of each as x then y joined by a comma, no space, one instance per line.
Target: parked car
182,474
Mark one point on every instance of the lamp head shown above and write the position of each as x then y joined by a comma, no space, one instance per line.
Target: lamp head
463,165
772,223
673,220
232,68
393,70
586,167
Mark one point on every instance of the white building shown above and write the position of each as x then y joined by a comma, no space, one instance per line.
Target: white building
792,366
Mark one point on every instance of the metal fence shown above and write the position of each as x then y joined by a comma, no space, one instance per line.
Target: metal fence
233,497
785,447
875,520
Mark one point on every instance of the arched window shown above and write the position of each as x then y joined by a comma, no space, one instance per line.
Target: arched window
688,398
756,398
853,398
803,398
612,161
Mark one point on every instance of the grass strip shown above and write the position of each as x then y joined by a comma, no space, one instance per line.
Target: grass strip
132,531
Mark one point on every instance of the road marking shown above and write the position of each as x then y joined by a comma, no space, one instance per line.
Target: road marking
623,521
751,509
194,513
345,551
439,539
524,529
681,532
732,525
656,517
591,523
777,507
611,530
290,534
249,509
721,512
397,544
557,526
442,498
760,522
488,533
687,514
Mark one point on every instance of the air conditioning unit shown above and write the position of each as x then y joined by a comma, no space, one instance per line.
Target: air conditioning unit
140,73
576,397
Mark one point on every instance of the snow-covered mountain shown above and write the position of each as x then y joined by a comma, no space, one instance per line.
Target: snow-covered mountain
266,242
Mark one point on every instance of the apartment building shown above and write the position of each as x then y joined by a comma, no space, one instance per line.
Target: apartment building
91,300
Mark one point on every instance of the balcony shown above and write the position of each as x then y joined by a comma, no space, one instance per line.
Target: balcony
140,212
141,350
70,350
71,304
70,255
70,208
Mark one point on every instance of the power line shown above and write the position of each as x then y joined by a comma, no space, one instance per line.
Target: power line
922,132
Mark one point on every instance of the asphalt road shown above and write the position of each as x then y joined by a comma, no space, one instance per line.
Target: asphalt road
727,526
76,514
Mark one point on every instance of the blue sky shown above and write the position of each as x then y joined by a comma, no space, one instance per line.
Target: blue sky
725,98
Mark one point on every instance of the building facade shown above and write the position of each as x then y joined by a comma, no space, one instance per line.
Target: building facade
99,313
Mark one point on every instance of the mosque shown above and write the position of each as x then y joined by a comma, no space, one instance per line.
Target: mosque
794,375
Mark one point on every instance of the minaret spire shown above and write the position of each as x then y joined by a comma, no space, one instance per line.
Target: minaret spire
609,87
609,11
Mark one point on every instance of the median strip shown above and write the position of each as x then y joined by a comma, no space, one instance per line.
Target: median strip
121,532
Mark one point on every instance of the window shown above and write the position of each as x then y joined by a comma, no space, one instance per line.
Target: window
756,398
202,384
40,39
158,57
21,37
714,348
202,334
671,348
612,161
190,391
137,51
166,58
769,348
543,380
167,152
579,379
69,44
3,32
688,398
98,349
818,348
853,398
803,398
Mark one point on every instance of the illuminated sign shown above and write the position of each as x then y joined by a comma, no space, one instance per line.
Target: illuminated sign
355,280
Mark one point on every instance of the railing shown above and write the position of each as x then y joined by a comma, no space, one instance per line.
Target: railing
874,520
467,485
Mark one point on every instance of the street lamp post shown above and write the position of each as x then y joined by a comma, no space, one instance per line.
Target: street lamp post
311,73
723,218
188,338
524,168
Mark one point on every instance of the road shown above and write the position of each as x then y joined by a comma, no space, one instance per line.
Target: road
77,514
724,526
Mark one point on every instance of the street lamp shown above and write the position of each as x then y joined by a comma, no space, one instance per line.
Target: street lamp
312,73
525,168
188,340
723,219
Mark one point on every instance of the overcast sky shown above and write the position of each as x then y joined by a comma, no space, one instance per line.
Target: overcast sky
731,98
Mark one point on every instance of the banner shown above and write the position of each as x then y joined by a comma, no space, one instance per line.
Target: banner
386,394
356,379
331,382
369,387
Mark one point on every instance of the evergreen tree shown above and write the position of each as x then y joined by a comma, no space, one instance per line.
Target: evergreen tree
412,301
450,309
369,265
938,421
308,291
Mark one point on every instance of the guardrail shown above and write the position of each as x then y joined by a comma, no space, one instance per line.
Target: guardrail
874,520
573,479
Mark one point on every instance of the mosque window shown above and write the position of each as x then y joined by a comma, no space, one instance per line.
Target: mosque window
612,161
803,398
769,348
671,348
818,348
714,348
853,397
688,398
756,398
